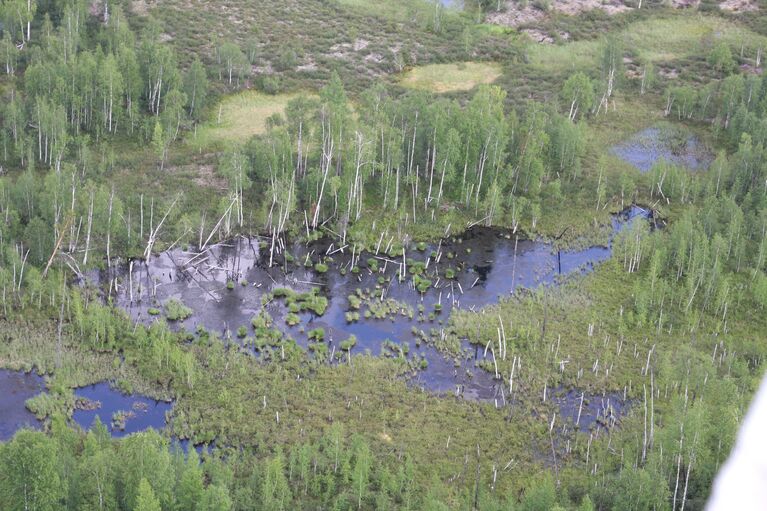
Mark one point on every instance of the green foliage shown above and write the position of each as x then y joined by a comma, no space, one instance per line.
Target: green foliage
721,59
348,343
30,469
233,65
422,284
317,334
541,494
578,95
145,499
760,289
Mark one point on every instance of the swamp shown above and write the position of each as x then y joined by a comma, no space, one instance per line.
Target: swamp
344,254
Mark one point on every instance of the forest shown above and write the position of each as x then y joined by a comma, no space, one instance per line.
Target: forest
344,254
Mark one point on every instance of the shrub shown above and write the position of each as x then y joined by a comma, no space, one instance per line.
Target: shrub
422,284
354,302
317,334
316,303
348,344
288,59
270,84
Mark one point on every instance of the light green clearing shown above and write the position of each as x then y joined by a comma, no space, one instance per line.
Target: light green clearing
451,77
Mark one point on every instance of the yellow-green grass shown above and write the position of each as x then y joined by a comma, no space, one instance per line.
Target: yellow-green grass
657,40
239,117
451,77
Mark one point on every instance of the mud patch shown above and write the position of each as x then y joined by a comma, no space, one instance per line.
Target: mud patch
739,5
360,44
140,7
669,74
539,36
685,4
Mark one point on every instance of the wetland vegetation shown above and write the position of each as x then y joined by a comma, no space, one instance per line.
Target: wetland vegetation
378,255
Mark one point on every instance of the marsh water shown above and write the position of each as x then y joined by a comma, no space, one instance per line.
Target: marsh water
226,284
17,387
122,414
656,144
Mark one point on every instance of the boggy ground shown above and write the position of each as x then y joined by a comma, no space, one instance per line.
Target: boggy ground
232,286
361,297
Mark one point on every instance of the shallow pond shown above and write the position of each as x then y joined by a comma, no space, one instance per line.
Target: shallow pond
225,284
123,414
15,388
654,144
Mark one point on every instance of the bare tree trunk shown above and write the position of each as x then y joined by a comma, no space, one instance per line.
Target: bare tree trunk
88,234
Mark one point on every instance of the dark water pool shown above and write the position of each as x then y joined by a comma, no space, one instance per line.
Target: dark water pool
654,144
15,388
123,414
487,263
